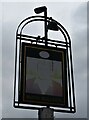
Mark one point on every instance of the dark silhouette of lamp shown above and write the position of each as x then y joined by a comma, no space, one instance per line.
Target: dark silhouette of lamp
40,9
52,26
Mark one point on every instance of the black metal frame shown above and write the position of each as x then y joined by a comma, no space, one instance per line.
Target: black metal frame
43,99
66,44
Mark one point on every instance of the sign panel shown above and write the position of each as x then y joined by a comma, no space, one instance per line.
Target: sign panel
43,76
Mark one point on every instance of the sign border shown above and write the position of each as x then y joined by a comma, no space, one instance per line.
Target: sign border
37,99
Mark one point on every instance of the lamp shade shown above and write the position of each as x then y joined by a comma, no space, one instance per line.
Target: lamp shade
40,9
52,26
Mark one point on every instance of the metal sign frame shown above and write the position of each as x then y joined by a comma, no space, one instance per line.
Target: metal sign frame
35,41
38,98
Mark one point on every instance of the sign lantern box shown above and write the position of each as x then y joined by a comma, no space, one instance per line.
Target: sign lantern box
43,76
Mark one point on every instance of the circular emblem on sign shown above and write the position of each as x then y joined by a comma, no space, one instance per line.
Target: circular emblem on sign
44,54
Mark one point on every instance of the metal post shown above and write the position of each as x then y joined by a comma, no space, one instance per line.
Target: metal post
46,113
40,10
45,14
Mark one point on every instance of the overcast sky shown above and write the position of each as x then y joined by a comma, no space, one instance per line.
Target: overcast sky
74,18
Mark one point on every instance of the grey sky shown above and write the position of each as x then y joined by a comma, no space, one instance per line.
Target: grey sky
0,59
74,18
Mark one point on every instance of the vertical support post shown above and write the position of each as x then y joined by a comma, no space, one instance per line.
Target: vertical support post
46,113
45,14
40,10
